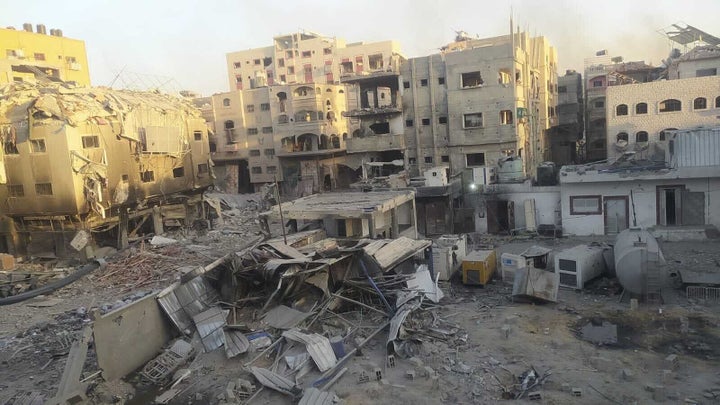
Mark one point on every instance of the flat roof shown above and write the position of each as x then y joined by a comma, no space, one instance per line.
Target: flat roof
343,204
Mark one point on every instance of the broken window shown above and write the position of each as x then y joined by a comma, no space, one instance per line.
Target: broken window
379,128
346,66
37,146
700,103
203,168
289,54
282,119
250,108
375,61
506,117
622,137
445,158
641,108
358,64
423,82
226,102
471,79
269,152
252,131
426,121
271,169
473,120
706,72
327,51
43,189
504,76
16,190
267,61
281,62
291,70
265,107
670,105
147,176
597,83
441,81
256,170
237,65
39,56
198,135
412,161
179,172
641,136
621,109
306,54
474,159
442,120
303,91
282,97
408,123
406,85
283,79
256,61
90,141
267,130
585,205
428,159
254,152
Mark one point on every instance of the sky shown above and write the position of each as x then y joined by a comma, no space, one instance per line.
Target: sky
184,42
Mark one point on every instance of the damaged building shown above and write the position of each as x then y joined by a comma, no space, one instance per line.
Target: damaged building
96,160
564,137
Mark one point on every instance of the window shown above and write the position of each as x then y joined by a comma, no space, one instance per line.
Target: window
237,65
445,158
408,123
597,83
198,135
291,70
256,170
254,152
289,54
306,54
600,104
475,159
585,205
281,62
91,141
406,85
256,61
717,102
203,168
423,82
252,131
670,105
250,108
178,172
441,80
702,72
426,121
473,120
16,190
506,117
283,79
641,136
269,152
428,159
471,79
375,61
442,120
562,89
641,108
39,56
267,130
37,146
327,51
147,176
43,189
265,107
622,136
271,169
504,77
663,135
226,102
700,103
412,161
621,109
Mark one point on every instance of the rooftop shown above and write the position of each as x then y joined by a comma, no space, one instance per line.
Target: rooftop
343,204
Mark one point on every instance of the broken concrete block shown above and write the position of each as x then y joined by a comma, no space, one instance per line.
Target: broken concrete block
410,374
363,377
535,396
673,361
505,331
577,392
429,372
378,373
627,375
416,362
230,391
391,361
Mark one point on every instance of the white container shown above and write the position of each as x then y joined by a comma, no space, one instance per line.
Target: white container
443,248
510,263
579,264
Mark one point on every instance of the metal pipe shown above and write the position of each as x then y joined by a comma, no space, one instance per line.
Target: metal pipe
391,311
360,303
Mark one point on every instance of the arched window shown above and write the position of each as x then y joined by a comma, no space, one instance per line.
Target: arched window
621,109
641,108
717,102
226,102
303,91
700,103
641,136
622,136
670,105
341,91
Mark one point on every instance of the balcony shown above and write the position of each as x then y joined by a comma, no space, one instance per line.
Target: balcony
375,143
309,144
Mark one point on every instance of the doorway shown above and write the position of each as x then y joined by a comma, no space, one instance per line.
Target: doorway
677,206
616,213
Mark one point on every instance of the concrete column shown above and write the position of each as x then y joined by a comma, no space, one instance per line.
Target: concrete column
395,228
122,242
157,221
413,215
371,226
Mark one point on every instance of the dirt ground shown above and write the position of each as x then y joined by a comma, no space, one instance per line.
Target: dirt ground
497,340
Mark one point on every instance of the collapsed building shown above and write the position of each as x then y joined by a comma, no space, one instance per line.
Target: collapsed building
96,159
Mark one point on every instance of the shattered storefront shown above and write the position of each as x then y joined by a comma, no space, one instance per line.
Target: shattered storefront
87,158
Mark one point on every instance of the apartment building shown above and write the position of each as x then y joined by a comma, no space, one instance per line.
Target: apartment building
478,102
26,55
641,116
565,135
307,57
700,61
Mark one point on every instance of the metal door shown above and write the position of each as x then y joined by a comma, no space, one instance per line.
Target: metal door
616,214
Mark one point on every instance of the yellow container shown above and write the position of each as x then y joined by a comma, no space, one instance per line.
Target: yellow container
478,267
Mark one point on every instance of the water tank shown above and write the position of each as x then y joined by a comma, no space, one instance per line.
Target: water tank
27,27
41,29
637,253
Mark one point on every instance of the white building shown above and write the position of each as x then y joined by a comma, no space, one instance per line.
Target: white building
681,193
638,115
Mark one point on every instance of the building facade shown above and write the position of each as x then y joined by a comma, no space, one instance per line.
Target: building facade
640,116
565,135
25,55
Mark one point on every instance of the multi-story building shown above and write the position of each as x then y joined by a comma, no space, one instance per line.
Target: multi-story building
641,115
478,102
569,129
698,62
25,55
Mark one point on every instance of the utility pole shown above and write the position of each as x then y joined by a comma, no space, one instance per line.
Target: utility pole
282,219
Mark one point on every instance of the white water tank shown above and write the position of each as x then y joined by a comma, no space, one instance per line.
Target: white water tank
637,253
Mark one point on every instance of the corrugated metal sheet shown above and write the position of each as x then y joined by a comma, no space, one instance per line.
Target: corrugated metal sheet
314,396
282,317
274,381
235,343
317,345
398,250
183,301
210,325
696,148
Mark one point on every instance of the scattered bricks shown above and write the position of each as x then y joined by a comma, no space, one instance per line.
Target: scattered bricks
363,377
627,375
577,392
429,372
410,374
505,331
416,361
673,361
378,373
535,396
391,361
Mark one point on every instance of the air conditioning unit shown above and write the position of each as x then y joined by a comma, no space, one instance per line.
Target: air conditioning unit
510,263
484,175
579,264
75,66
